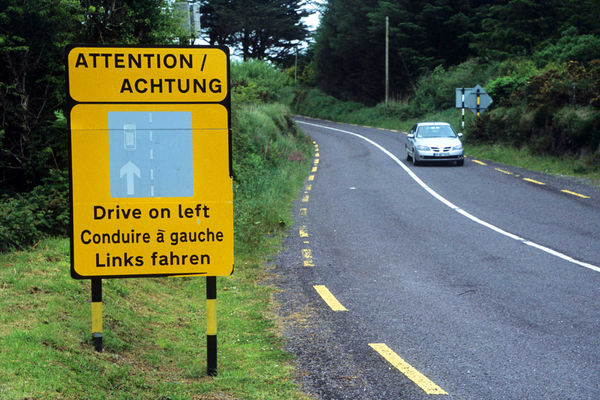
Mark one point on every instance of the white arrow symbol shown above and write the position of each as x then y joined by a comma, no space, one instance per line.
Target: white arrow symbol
130,169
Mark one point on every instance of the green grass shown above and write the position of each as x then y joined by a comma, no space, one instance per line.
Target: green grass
153,329
525,159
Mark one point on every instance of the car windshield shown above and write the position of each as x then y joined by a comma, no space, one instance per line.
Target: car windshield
435,131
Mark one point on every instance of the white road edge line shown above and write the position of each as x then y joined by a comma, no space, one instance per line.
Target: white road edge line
458,209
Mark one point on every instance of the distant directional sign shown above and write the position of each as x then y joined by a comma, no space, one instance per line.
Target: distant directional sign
475,99
150,141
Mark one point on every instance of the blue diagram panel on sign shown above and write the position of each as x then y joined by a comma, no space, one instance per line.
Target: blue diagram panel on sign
150,154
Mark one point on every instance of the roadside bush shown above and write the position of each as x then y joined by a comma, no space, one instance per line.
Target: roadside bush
263,136
569,83
436,90
315,103
17,223
570,47
266,143
270,154
579,128
500,125
256,81
506,90
27,217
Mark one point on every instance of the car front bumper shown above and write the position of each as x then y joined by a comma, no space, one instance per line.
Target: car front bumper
456,155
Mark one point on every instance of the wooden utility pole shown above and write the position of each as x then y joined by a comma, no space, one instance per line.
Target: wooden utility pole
387,60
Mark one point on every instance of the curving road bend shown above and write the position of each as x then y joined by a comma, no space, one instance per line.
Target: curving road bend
438,281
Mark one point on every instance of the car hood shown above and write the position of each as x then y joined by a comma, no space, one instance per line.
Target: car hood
439,141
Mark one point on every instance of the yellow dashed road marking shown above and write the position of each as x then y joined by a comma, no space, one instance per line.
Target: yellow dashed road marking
308,260
534,181
479,162
303,232
311,178
314,169
329,298
503,171
411,373
583,196
303,211
305,198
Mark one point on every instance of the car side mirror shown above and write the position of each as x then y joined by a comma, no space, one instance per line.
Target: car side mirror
460,134
410,136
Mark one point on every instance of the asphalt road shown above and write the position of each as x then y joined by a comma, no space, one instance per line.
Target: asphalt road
473,282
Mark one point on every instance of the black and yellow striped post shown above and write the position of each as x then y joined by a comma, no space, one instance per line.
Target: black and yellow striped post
462,91
211,325
97,313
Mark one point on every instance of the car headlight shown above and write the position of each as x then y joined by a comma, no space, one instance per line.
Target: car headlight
421,147
458,147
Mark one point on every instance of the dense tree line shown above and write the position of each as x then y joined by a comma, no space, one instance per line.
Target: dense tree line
349,52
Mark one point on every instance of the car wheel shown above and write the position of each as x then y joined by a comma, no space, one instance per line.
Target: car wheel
414,159
460,163
408,157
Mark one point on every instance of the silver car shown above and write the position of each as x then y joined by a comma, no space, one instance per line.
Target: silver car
434,141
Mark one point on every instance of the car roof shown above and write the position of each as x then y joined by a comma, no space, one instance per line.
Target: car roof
432,123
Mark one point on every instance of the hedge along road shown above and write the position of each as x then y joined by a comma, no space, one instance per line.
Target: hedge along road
455,282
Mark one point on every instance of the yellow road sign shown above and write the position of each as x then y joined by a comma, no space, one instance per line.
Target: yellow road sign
151,182
143,74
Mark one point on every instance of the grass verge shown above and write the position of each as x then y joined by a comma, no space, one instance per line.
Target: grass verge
524,158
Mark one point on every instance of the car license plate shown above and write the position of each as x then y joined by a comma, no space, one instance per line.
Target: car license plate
442,154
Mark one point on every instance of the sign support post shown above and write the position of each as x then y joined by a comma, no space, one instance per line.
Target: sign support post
211,325
97,313
463,108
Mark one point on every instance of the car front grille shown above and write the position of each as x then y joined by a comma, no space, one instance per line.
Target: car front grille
437,149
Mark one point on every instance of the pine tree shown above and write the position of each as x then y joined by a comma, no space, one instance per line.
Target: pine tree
259,29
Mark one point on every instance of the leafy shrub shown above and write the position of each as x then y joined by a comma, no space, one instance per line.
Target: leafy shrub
566,83
505,90
580,127
570,47
317,104
265,143
27,217
17,223
256,81
436,90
